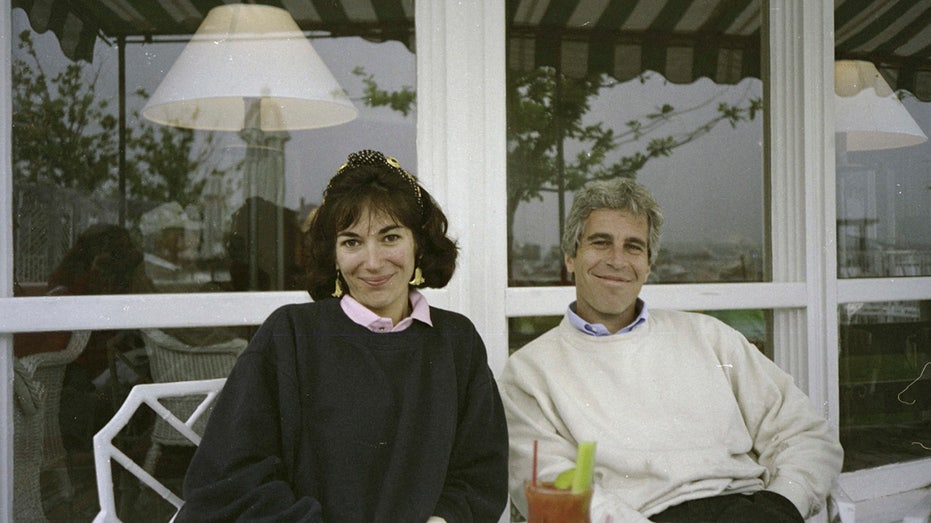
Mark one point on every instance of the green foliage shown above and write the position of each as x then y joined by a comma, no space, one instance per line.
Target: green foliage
543,115
64,135
165,166
402,101
160,177
545,112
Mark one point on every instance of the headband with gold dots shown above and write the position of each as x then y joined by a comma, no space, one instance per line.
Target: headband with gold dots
370,157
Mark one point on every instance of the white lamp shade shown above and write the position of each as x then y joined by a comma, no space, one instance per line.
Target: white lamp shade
241,54
867,112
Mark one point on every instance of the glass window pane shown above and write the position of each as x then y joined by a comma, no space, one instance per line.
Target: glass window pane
525,329
884,197
187,211
611,96
882,120
885,396
754,324
74,382
210,210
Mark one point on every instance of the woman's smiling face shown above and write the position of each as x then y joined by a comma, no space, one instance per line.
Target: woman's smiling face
376,258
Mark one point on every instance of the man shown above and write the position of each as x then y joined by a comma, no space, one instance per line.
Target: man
692,422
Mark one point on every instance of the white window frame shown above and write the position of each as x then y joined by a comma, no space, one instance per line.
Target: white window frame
461,132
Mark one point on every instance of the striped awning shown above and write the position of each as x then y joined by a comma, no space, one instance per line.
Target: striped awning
719,39
681,39
78,24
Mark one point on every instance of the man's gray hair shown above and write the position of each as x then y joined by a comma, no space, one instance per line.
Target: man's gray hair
621,194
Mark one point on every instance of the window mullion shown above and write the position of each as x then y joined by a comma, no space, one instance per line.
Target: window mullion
462,155
6,258
801,165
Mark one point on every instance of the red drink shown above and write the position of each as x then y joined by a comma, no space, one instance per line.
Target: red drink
547,504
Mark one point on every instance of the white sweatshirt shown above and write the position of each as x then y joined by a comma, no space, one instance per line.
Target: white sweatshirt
683,407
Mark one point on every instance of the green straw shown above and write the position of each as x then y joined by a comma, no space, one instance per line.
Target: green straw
584,467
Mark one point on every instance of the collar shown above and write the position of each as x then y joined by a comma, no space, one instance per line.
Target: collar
358,313
598,329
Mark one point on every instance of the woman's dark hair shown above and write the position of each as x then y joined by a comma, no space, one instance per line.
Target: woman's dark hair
372,183
103,260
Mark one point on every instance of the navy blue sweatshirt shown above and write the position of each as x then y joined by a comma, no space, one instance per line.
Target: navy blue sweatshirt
323,420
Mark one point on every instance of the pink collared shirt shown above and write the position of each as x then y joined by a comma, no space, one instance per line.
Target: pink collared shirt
420,310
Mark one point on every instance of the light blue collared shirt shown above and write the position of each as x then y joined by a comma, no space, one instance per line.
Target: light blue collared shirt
598,329
358,313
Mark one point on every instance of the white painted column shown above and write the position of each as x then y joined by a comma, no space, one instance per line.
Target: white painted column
6,263
461,152
799,95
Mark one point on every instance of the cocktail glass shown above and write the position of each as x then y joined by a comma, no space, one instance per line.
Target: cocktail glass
548,504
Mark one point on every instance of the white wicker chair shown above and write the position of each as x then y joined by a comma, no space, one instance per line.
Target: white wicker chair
155,395
171,360
28,421
48,368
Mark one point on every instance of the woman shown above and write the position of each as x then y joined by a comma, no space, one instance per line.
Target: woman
369,407
103,260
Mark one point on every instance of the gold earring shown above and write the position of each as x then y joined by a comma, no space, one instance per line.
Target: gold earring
338,291
418,277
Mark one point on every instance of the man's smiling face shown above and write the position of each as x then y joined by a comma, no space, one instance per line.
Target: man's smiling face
611,265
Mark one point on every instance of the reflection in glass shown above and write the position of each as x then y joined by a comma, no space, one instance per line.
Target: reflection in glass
883,203
210,210
69,384
884,207
272,78
182,211
754,324
627,102
885,396
525,329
